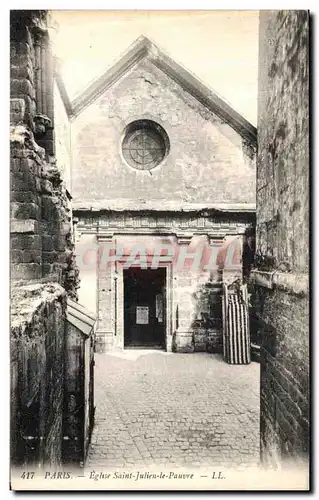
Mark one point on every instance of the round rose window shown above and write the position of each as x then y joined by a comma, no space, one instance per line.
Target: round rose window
145,144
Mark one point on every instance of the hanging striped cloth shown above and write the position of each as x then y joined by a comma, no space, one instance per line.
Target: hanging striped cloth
237,336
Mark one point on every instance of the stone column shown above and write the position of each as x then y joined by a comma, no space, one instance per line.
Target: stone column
105,297
22,86
184,314
44,89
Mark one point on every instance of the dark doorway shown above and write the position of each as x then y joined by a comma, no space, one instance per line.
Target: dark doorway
144,308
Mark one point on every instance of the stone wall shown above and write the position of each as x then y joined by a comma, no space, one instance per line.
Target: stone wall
31,75
37,374
41,232
41,250
283,140
208,161
281,281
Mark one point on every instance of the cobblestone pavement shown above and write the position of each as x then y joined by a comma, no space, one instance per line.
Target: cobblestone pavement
184,410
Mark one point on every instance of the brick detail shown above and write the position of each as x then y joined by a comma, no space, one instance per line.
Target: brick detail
17,111
25,211
25,271
24,226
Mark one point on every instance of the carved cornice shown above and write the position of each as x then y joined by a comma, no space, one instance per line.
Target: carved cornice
134,206
123,223
182,238
183,225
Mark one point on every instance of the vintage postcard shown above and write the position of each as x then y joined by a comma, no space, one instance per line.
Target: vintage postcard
159,231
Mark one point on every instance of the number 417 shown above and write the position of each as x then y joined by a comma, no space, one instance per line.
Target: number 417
27,475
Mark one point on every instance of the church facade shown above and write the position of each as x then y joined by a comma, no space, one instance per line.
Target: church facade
163,187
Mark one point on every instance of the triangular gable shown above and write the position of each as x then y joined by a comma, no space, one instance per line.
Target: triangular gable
143,48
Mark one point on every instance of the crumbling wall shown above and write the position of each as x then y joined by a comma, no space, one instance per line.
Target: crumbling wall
37,373
41,232
281,281
41,250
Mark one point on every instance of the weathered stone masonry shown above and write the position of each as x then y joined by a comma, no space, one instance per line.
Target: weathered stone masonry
42,264
194,195
41,235
41,241
281,278
203,190
37,377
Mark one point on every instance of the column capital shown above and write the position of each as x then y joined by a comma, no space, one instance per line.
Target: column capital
104,237
184,238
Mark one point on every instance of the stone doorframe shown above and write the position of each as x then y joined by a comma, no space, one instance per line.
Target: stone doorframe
112,330
118,283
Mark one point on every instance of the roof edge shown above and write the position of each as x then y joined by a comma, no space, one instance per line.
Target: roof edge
132,56
206,96
143,47
63,92
80,207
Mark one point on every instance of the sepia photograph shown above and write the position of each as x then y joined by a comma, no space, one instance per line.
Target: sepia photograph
159,250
